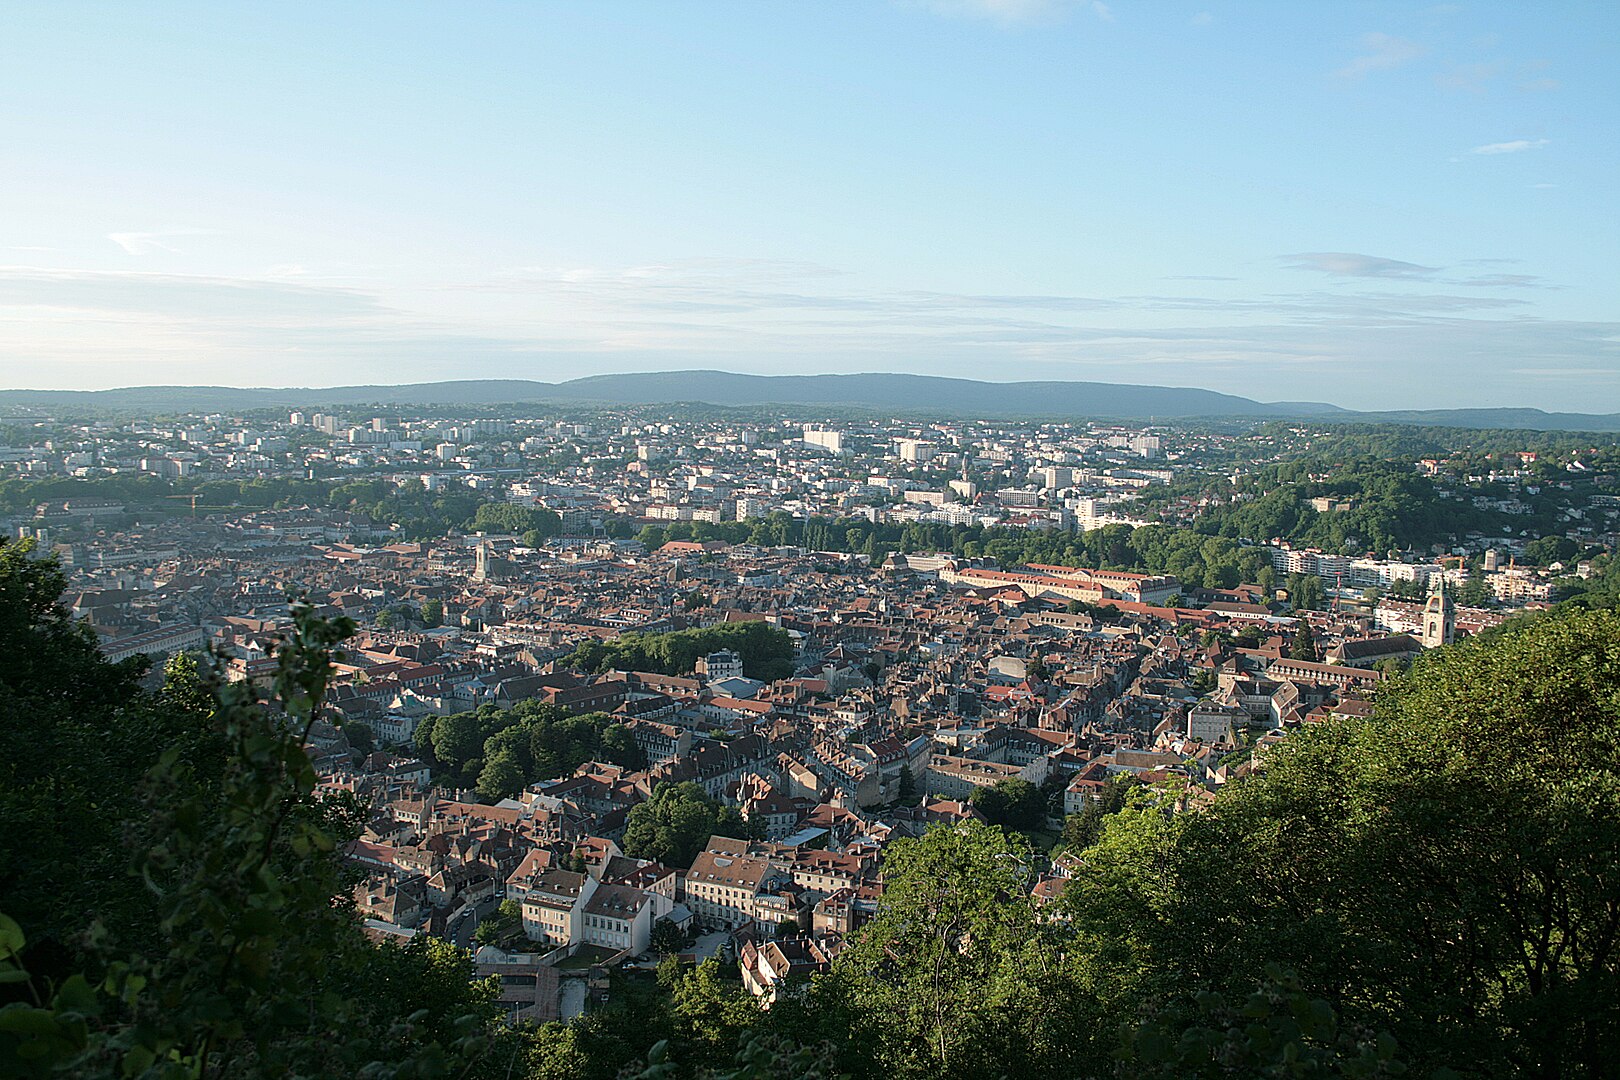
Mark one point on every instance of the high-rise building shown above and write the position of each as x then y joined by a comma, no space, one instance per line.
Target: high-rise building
825,439
916,451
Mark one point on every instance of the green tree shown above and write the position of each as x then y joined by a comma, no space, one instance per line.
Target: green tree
906,794
1278,1030
77,741
1303,644
255,966
708,1015
1443,871
1084,828
1305,592
676,822
505,922
666,937
956,976
501,777
1014,803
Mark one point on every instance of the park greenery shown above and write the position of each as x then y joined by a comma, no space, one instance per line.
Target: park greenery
1430,891
502,751
673,825
766,650
1011,803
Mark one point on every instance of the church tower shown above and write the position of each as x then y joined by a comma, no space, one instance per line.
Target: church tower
1439,616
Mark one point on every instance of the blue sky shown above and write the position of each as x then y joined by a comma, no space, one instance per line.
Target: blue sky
1379,205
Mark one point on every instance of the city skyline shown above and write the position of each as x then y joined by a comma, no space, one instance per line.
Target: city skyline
1390,206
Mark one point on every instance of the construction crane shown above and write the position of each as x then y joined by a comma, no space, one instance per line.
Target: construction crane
193,499
1462,567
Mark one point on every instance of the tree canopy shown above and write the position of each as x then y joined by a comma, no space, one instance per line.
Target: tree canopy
204,929
676,822
766,650
501,751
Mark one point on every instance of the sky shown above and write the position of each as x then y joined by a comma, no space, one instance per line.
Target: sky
1380,205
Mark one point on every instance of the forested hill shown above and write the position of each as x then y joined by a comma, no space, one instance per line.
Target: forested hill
915,394
1427,892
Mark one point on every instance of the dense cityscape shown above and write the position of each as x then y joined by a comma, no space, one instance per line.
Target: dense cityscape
628,685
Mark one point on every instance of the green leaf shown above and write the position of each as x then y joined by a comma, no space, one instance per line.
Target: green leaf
11,936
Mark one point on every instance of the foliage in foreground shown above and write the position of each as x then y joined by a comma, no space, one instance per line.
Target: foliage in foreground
226,947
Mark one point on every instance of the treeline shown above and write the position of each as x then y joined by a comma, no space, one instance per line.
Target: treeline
766,650
1392,508
1405,442
421,514
499,752
1194,558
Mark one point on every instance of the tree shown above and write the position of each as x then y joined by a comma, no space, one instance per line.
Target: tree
432,613
1443,871
504,922
666,937
1305,592
1012,802
956,976
501,777
77,740
676,822
360,736
250,964
1082,829
906,793
1303,645
1278,1030
708,1015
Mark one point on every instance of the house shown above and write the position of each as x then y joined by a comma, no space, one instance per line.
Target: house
770,969
618,917
552,911
724,884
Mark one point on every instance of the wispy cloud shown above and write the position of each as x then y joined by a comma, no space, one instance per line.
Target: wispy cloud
145,243
1005,12
1516,146
1102,11
1506,281
1471,77
1203,18
741,314
185,298
1350,264
1383,53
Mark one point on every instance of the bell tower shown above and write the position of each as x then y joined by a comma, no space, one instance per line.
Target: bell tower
1439,616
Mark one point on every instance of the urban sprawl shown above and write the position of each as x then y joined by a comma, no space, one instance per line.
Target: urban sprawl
824,635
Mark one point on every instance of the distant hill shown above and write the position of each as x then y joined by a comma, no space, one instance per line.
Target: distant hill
883,392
